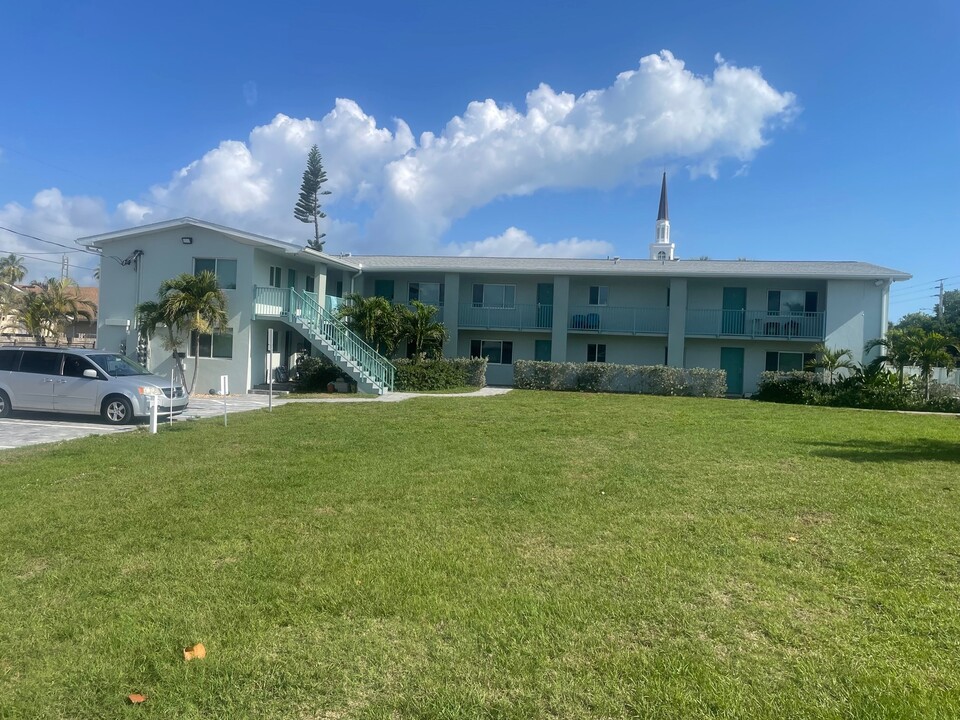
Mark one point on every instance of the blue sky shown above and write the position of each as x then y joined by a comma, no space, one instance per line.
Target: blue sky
826,131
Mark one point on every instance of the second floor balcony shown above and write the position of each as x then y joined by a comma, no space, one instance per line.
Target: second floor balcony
517,317
619,320
755,324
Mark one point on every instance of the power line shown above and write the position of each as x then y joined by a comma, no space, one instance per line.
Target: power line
56,262
49,242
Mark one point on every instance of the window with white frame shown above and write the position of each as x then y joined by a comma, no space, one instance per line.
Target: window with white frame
426,292
310,284
494,296
598,295
596,352
212,345
788,361
275,275
497,352
224,268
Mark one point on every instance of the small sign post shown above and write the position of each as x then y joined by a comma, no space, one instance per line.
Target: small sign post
154,403
224,390
270,369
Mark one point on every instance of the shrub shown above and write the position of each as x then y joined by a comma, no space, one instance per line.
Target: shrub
608,377
439,374
315,373
867,389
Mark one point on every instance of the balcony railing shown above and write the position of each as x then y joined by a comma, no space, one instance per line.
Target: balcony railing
756,324
635,321
518,317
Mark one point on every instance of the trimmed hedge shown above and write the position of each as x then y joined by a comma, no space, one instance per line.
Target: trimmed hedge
439,374
608,377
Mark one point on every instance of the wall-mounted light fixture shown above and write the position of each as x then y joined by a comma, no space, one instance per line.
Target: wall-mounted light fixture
187,240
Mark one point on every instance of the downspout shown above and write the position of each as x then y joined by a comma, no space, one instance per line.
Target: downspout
354,278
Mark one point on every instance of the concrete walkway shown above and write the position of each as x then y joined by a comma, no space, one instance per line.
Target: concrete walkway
22,429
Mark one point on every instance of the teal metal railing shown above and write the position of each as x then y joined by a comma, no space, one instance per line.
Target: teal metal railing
299,309
756,324
636,321
518,317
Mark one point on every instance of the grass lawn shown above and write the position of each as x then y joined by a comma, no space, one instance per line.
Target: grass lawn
522,556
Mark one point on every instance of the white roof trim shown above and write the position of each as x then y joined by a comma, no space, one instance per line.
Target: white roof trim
242,236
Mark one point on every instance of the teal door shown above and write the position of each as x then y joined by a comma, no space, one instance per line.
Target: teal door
734,309
731,360
544,305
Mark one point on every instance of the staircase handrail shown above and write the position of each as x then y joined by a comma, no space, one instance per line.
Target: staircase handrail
349,342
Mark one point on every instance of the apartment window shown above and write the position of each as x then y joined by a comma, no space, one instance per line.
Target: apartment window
339,288
291,278
791,302
494,296
224,269
275,275
215,345
427,293
497,352
596,352
383,288
598,294
310,283
787,361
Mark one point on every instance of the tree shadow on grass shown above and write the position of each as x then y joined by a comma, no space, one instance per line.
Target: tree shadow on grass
877,451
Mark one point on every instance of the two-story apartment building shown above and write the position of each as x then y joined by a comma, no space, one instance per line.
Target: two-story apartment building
742,316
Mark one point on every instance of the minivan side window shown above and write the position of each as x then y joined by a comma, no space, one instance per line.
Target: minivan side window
44,363
10,360
74,365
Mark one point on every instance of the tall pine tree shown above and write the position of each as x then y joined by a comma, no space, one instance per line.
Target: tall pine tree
307,209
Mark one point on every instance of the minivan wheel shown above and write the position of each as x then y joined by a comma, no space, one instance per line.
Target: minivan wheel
4,404
117,410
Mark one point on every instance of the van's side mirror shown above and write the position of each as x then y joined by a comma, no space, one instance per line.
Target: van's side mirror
90,373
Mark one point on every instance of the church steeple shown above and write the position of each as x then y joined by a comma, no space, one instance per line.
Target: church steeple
662,248
664,212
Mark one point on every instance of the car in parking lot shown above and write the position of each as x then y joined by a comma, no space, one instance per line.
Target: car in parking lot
87,382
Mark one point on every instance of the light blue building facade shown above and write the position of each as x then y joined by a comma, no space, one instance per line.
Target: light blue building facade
742,316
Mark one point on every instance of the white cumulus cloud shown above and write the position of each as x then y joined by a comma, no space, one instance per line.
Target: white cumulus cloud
514,242
393,191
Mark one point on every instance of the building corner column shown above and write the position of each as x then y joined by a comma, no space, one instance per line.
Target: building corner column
451,313
561,313
677,328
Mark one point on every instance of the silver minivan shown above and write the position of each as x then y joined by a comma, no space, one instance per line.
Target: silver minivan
88,382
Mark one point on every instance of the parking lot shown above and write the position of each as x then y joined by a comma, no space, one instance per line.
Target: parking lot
21,429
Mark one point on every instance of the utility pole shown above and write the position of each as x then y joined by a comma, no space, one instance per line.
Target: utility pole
940,302
64,268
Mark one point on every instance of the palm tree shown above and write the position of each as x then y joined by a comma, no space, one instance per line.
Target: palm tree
373,318
927,351
419,328
896,351
64,304
831,361
197,304
12,269
150,316
32,314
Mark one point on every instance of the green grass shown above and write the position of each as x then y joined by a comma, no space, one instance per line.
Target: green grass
522,556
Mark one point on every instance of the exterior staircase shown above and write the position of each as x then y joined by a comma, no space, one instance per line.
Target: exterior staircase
372,372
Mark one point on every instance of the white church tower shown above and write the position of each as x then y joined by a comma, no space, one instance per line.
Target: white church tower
662,248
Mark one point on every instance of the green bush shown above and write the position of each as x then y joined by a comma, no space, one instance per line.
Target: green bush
608,377
315,373
441,374
866,388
